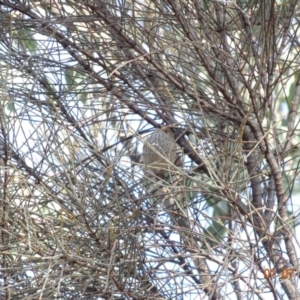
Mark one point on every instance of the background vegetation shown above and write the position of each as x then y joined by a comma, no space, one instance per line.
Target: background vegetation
82,85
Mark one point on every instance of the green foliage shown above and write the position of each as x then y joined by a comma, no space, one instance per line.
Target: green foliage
10,106
25,39
75,83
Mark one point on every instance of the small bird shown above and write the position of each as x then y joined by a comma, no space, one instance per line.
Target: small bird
161,152
160,155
